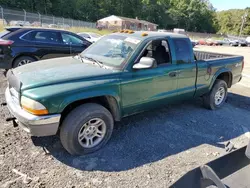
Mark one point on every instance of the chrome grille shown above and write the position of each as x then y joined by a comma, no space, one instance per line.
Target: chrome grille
15,95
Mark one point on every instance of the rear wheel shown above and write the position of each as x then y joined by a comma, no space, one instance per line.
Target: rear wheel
23,60
217,96
86,129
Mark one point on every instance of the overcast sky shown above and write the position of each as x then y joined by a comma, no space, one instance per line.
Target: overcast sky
230,4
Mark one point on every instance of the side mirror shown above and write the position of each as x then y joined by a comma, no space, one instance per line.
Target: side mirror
145,63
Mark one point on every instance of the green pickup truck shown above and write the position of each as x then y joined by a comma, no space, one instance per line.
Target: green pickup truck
122,74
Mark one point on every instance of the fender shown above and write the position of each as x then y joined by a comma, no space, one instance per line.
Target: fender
110,96
220,71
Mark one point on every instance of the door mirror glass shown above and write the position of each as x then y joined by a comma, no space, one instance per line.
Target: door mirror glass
145,63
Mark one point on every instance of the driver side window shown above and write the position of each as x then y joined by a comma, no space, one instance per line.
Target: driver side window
159,50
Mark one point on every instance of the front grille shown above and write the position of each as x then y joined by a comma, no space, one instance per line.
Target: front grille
13,81
14,86
15,95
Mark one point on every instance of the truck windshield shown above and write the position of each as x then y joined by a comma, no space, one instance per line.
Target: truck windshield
112,50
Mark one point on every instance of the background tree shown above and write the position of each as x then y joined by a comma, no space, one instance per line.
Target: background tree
191,15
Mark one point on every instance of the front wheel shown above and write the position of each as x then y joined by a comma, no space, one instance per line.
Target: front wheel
86,129
217,96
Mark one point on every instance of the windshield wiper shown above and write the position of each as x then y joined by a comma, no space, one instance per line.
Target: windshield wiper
80,55
94,60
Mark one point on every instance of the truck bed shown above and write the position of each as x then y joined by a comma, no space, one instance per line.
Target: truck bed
200,55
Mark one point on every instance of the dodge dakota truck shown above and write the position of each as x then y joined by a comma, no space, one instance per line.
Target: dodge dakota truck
124,73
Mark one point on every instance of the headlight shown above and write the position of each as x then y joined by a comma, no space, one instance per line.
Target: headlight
33,106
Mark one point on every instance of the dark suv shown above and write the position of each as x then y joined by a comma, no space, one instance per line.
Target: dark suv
19,46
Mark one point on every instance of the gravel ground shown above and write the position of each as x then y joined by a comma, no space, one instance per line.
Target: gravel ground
152,149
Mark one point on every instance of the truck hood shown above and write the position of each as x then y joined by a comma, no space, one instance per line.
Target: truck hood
56,71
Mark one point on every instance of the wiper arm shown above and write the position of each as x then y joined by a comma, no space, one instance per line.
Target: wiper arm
80,55
94,60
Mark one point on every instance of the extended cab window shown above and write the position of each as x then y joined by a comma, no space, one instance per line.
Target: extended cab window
182,51
42,36
159,50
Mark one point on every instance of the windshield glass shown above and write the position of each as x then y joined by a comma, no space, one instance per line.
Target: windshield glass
112,50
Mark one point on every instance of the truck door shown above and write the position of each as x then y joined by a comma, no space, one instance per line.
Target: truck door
186,83
144,89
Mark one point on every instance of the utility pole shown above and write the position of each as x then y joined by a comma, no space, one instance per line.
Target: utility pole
25,15
2,15
244,18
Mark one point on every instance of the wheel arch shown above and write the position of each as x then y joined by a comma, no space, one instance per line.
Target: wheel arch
23,55
108,101
225,75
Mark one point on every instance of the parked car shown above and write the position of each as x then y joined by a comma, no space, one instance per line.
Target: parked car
53,26
91,37
64,26
248,41
220,42
194,43
231,42
242,42
36,24
162,30
20,46
202,42
45,25
210,42
121,74
19,23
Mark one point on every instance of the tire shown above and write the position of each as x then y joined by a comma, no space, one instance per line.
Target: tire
209,100
76,120
22,61
230,44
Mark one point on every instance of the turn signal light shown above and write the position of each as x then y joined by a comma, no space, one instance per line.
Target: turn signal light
36,112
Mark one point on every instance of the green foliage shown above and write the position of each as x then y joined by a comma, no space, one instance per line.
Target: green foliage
191,15
230,21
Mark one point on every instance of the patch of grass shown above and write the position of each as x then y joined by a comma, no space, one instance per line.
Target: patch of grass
218,38
1,27
76,30
92,30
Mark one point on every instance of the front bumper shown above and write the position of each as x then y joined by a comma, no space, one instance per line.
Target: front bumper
35,125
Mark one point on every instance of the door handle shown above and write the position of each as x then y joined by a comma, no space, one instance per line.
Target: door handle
172,74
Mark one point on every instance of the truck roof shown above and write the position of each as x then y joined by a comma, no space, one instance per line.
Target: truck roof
140,34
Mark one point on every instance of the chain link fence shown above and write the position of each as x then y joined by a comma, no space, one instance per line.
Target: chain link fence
11,17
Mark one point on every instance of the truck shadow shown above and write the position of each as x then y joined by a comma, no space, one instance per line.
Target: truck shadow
155,135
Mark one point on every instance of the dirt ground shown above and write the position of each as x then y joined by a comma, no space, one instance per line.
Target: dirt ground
152,149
